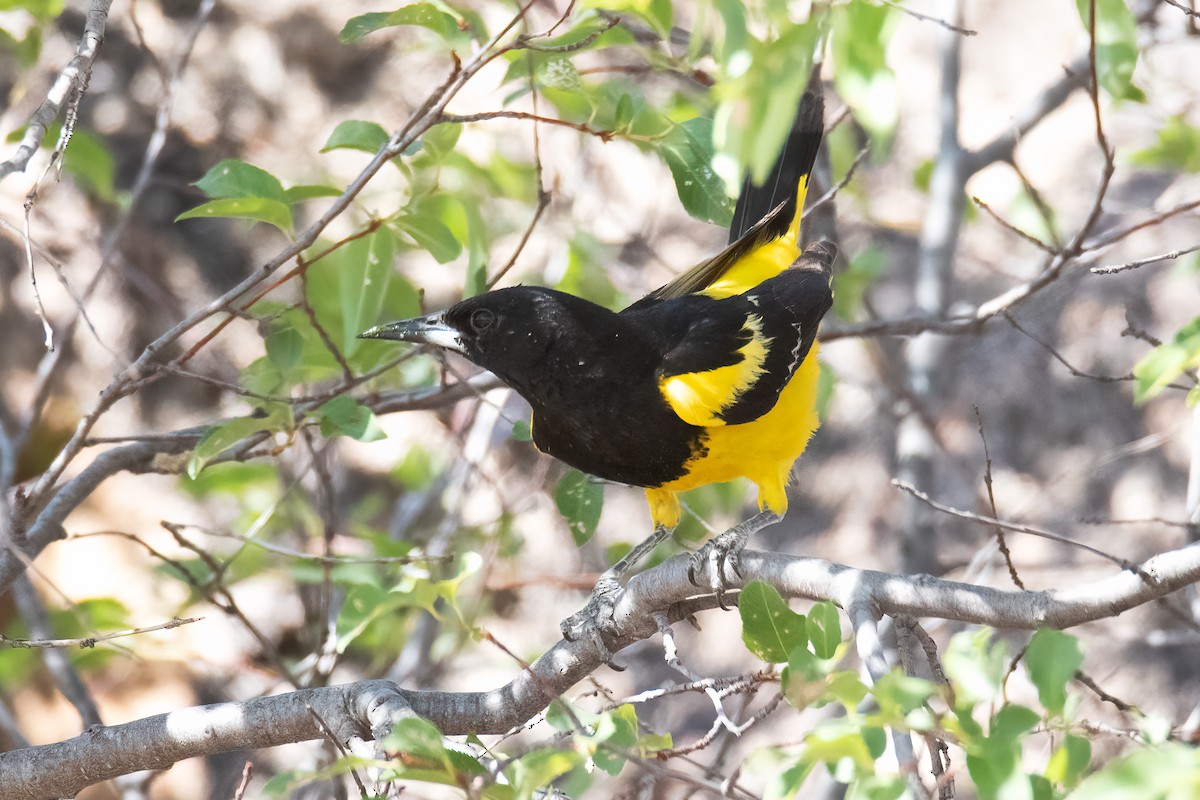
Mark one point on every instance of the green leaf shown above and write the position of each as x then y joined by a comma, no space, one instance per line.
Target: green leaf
305,191
430,234
258,209
1177,147
1052,659
847,688
425,15
975,666
898,694
233,178
688,150
1069,761
220,437
1012,721
770,629
357,134
233,479
802,680
366,604
1116,46
860,35
831,745
1169,772
1162,365
284,345
344,416
824,629
89,161
363,279
352,288
579,500
996,772
538,769
658,14
439,140
758,96
417,737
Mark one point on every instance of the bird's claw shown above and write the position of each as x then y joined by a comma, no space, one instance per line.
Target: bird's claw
711,560
594,623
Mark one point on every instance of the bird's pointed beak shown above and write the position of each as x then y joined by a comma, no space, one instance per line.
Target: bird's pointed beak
431,329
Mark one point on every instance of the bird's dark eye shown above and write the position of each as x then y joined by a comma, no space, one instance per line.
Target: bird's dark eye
482,320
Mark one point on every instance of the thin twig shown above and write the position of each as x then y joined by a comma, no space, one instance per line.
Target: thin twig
1012,526
1189,11
1141,262
926,18
327,732
1110,237
602,135
247,771
833,191
987,482
1121,705
91,641
1036,242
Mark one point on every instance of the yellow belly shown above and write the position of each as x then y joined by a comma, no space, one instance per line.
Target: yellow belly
762,450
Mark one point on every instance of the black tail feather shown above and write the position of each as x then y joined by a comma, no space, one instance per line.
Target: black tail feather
795,162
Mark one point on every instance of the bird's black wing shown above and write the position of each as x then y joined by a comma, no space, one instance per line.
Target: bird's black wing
740,352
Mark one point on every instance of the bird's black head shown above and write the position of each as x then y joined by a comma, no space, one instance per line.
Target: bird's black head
508,331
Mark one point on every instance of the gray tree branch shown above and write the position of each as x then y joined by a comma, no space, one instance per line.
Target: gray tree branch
368,709
67,88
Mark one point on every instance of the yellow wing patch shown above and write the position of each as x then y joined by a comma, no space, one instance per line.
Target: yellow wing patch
765,261
699,397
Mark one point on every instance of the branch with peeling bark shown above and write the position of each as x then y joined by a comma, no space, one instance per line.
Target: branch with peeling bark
366,710
67,89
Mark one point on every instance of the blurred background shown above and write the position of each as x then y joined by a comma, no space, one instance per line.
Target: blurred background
455,497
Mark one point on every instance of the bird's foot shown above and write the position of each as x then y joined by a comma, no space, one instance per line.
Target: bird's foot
594,623
708,564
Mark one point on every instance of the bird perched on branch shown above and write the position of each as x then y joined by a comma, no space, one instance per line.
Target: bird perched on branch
708,378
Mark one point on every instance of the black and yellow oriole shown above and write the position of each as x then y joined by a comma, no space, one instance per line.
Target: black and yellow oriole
708,378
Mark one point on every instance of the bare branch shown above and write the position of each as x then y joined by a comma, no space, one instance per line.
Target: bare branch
47,526
58,664
92,641
355,709
1141,262
68,87
1011,526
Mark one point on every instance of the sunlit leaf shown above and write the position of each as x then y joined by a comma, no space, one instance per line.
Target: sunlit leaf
1052,659
220,437
1070,761
357,134
344,416
258,209
233,178
770,629
431,234
1116,46
860,34
1167,362
1177,147
688,151
580,500
824,629
425,15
